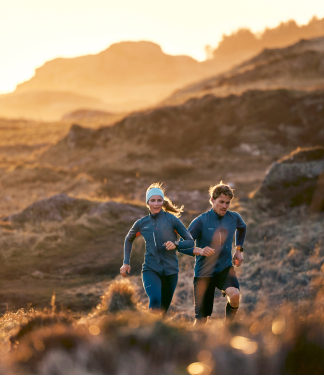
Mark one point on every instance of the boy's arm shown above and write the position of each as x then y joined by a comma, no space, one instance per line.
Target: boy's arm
239,241
240,231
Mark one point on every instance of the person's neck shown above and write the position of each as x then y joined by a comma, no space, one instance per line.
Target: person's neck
154,215
219,216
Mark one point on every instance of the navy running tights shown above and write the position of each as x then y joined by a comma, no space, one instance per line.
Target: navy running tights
159,288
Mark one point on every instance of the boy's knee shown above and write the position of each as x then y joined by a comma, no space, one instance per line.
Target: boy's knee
233,296
200,320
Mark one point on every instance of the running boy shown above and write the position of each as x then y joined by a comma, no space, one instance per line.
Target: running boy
213,232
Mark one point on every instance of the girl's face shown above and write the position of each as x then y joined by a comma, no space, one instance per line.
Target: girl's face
155,204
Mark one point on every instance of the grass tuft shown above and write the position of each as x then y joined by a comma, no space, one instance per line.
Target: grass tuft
120,296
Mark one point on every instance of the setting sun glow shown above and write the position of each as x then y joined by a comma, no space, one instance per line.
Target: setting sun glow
35,31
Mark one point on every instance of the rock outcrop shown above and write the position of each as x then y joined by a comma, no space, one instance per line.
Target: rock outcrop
294,180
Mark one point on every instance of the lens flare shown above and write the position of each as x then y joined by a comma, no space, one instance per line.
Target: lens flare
278,325
196,369
39,345
94,330
133,323
255,328
244,344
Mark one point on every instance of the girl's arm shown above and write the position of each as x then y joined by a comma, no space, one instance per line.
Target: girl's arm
132,234
186,245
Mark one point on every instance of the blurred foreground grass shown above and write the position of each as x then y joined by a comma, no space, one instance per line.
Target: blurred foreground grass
119,336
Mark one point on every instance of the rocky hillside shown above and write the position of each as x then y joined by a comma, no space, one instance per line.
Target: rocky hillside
256,123
188,147
298,67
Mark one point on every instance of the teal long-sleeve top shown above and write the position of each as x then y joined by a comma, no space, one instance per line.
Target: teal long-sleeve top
217,232
156,230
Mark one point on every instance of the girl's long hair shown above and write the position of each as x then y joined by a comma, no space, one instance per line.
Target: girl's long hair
168,206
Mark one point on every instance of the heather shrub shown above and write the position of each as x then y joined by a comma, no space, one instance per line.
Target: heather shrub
120,296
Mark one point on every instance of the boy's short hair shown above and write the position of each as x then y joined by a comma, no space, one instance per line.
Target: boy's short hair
218,189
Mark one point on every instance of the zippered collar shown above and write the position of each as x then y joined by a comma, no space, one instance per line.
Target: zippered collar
157,215
219,217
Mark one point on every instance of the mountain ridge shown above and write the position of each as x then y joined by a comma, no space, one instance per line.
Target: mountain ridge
297,67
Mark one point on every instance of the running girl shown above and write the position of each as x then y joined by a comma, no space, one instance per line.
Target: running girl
159,229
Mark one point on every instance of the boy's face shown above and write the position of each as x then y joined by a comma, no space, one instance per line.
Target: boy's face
221,204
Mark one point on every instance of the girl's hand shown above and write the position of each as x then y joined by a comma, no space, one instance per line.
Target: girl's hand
125,268
170,246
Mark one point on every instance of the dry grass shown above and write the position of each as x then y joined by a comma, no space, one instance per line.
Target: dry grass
278,340
120,296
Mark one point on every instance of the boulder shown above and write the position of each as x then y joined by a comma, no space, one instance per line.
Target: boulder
297,179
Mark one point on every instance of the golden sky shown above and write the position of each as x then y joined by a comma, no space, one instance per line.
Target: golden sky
35,31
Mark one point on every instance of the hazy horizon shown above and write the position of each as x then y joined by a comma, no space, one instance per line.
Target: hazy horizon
37,32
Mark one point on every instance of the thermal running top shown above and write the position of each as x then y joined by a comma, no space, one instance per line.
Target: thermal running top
217,232
156,230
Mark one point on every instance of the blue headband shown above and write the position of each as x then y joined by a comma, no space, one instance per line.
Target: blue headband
153,192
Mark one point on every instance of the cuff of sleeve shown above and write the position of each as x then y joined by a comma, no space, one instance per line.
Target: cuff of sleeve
187,251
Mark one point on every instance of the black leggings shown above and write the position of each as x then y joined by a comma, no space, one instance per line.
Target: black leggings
159,288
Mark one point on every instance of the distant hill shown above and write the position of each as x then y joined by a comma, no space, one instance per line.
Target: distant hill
244,44
126,76
44,105
122,64
298,67
130,76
